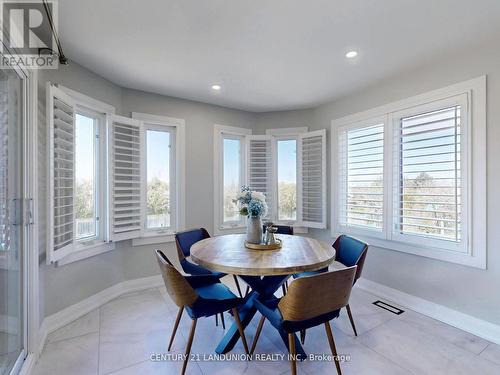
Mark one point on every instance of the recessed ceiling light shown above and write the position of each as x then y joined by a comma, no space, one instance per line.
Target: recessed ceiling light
216,87
351,54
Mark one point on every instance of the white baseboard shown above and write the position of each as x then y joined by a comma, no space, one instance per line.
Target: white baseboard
73,312
468,323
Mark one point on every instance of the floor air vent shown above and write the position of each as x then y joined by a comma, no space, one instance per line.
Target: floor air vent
386,306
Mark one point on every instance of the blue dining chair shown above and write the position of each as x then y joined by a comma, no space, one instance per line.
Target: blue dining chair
200,296
184,241
309,302
350,252
282,229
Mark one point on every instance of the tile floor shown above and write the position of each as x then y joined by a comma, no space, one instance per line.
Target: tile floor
119,337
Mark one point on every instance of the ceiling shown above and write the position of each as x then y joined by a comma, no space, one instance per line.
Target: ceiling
267,55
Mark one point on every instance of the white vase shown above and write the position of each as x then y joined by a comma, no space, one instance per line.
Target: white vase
254,229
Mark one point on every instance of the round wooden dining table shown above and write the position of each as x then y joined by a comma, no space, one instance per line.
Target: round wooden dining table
263,270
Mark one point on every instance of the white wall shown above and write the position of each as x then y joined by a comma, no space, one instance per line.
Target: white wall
63,286
469,290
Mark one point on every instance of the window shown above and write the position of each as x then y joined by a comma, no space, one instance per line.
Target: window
86,177
288,165
287,179
362,176
159,173
231,178
77,175
162,163
429,171
111,178
404,176
230,168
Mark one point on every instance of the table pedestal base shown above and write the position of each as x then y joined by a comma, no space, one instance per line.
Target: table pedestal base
262,289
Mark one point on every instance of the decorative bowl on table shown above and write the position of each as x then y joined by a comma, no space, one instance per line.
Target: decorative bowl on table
263,246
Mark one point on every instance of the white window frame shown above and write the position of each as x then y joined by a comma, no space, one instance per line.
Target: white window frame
100,175
475,253
462,246
147,232
289,132
285,133
357,229
221,132
101,244
273,135
274,151
176,127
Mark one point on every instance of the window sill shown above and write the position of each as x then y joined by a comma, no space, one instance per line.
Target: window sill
86,251
476,260
153,239
242,229
220,231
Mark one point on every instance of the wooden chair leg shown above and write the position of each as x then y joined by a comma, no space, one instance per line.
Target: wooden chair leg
348,308
332,347
257,333
236,316
283,289
176,325
222,320
302,336
291,347
216,320
247,291
188,346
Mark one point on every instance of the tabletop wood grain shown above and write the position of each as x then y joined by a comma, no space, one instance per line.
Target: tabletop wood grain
228,254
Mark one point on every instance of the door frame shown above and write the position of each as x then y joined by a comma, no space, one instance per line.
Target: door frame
30,264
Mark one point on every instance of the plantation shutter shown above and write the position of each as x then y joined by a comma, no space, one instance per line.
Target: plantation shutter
312,179
61,120
126,145
260,167
429,174
361,176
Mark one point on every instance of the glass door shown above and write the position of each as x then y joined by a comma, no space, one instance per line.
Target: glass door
12,296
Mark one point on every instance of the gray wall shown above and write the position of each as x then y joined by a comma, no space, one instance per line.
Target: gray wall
465,289
63,286
469,290
284,119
